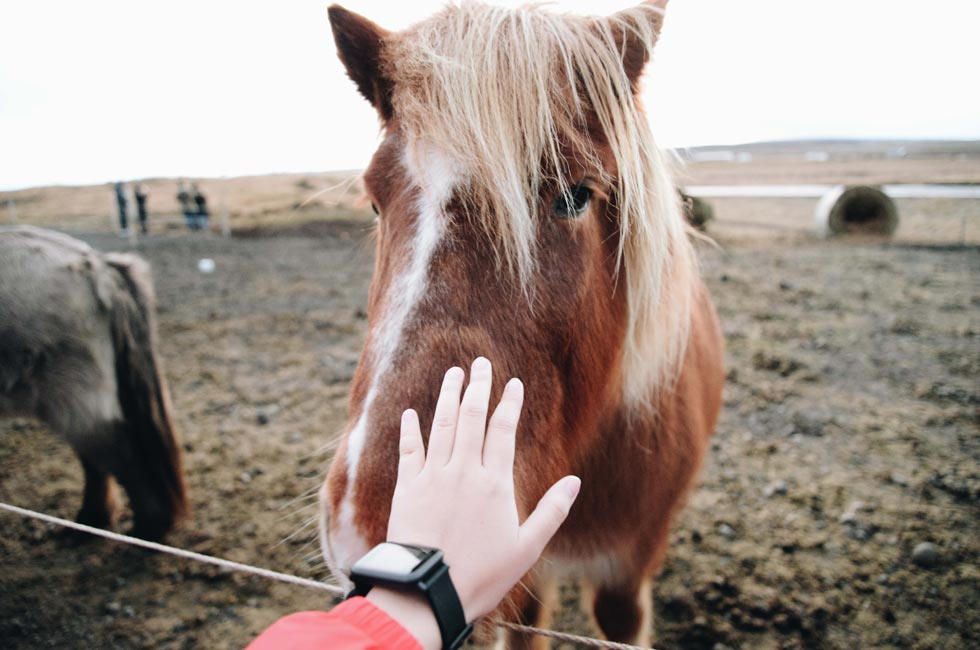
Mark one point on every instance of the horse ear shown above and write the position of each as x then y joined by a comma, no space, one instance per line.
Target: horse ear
636,30
359,45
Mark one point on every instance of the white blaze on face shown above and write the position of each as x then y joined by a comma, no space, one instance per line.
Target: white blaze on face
435,177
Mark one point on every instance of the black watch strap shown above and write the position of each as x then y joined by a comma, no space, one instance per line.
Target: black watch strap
439,589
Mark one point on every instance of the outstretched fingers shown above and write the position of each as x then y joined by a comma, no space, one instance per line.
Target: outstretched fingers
548,516
444,420
411,453
498,449
468,446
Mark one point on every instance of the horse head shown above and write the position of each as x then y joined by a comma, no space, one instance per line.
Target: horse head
523,214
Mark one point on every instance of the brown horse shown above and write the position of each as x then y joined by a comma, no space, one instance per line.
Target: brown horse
525,214
78,352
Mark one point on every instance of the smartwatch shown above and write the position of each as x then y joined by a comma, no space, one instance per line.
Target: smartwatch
407,568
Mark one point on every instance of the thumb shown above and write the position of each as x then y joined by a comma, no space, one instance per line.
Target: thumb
543,523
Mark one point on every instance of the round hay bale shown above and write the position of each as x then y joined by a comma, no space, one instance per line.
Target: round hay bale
698,212
856,210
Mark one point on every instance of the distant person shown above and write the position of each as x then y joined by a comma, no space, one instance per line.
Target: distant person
121,202
201,207
186,205
140,193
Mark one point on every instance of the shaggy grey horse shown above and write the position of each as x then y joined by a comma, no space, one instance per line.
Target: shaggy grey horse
77,351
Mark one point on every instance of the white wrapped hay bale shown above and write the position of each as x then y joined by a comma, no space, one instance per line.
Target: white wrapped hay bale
856,210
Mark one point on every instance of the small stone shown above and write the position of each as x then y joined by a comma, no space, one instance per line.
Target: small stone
113,607
294,437
925,555
726,531
808,423
245,477
252,602
265,414
858,533
898,479
249,529
850,517
776,488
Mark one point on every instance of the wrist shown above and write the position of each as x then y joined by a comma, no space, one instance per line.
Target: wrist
412,580
412,611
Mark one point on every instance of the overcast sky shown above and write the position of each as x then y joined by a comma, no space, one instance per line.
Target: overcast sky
98,90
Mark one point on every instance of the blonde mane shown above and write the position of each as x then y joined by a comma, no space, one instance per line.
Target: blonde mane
498,90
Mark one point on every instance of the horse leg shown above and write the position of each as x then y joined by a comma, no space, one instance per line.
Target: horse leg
152,516
623,611
98,500
112,449
536,611
93,444
622,600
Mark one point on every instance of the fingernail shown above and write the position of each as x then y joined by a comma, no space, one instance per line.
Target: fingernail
455,370
481,363
571,485
514,385
407,415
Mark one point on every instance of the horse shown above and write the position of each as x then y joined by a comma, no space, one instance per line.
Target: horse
525,213
78,352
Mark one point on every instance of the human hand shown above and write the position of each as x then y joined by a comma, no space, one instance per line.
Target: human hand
459,497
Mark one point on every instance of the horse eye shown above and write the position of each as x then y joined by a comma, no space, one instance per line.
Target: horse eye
375,208
572,203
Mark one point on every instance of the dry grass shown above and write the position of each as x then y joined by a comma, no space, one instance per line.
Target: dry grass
249,200
779,170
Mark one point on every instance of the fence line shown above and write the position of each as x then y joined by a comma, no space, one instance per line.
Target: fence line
282,577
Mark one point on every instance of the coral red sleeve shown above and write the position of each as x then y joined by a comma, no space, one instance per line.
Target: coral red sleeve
355,624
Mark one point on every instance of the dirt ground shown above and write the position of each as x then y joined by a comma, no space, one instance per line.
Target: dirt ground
849,436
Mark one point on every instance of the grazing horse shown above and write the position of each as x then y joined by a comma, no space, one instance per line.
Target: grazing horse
78,352
525,214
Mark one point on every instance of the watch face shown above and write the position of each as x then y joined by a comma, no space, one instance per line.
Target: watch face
392,559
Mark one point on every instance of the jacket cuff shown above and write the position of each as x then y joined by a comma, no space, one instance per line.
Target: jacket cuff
376,623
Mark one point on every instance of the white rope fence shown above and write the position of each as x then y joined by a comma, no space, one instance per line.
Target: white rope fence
283,577
171,550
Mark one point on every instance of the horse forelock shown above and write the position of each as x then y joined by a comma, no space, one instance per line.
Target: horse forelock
505,96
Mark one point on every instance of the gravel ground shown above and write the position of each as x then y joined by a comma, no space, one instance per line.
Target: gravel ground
849,439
